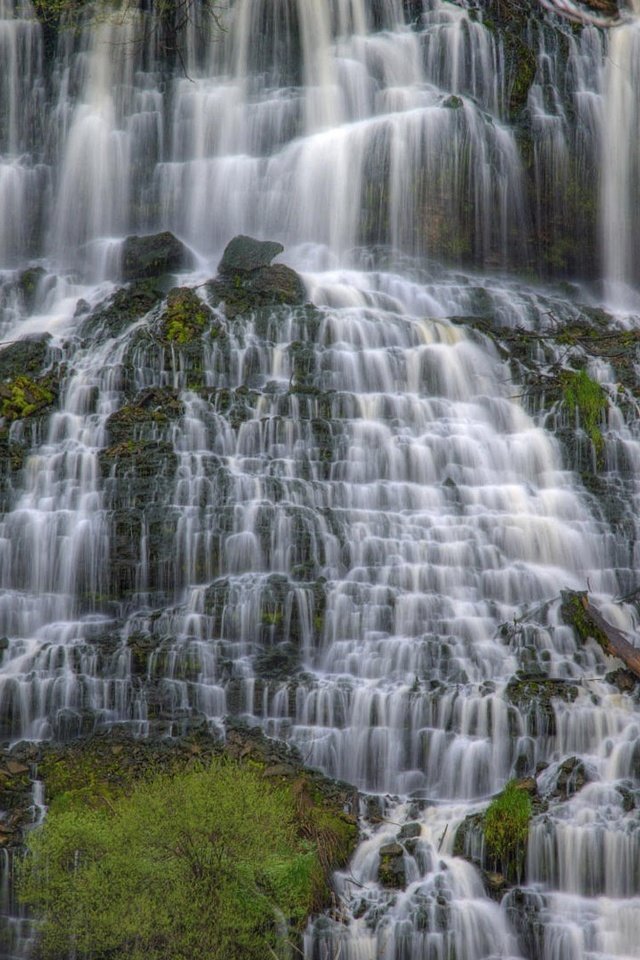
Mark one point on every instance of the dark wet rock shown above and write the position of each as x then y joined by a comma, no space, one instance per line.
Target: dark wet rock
468,840
130,459
496,884
116,313
623,679
534,696
247,282
391,872
453,102
571,777
278,663
526,910
409,831
267,287
28,284
153,255
141,646
152,409
244,254
278,284
25,356
629,797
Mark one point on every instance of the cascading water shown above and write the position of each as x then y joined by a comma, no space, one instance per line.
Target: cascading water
621,160
340,521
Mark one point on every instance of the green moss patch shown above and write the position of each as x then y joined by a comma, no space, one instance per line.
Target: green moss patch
24,397
185,317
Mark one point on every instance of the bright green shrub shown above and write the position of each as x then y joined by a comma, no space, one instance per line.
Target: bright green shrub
202,864
585,395
506,826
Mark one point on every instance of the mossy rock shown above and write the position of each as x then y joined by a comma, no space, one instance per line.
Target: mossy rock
26,356
246,292
28,284
277,663
12,454
522,67
185,317
534,696
573,614
244,254
152,408
153,255
143,459
119,311
23,397
391,870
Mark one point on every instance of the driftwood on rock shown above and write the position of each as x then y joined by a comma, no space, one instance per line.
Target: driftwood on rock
589,622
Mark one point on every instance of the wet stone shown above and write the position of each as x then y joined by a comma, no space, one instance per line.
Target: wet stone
119,311
26,356
572,776
153,255
244,254
409,831
391,872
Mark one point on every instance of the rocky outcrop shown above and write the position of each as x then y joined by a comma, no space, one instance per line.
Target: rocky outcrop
247,280
153,255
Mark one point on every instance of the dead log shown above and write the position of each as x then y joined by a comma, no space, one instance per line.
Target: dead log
589,623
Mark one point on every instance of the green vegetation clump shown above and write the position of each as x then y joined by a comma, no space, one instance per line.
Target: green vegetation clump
216,863
584,395
22,397
506,827
186,316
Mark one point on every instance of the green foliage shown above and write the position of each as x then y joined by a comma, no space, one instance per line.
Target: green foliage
506,826
202,865
186,316
23,397
584,395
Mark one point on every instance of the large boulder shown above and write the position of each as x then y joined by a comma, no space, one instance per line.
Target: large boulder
153,255
247,281
244,254
25,356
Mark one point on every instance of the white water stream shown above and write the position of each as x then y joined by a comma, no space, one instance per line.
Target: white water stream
415,555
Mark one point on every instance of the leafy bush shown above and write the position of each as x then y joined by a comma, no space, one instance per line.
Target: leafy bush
585,395
506,827
203,864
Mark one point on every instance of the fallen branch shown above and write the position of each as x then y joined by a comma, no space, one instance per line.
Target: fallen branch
589,622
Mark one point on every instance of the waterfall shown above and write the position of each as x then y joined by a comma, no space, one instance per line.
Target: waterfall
621,158
348,521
